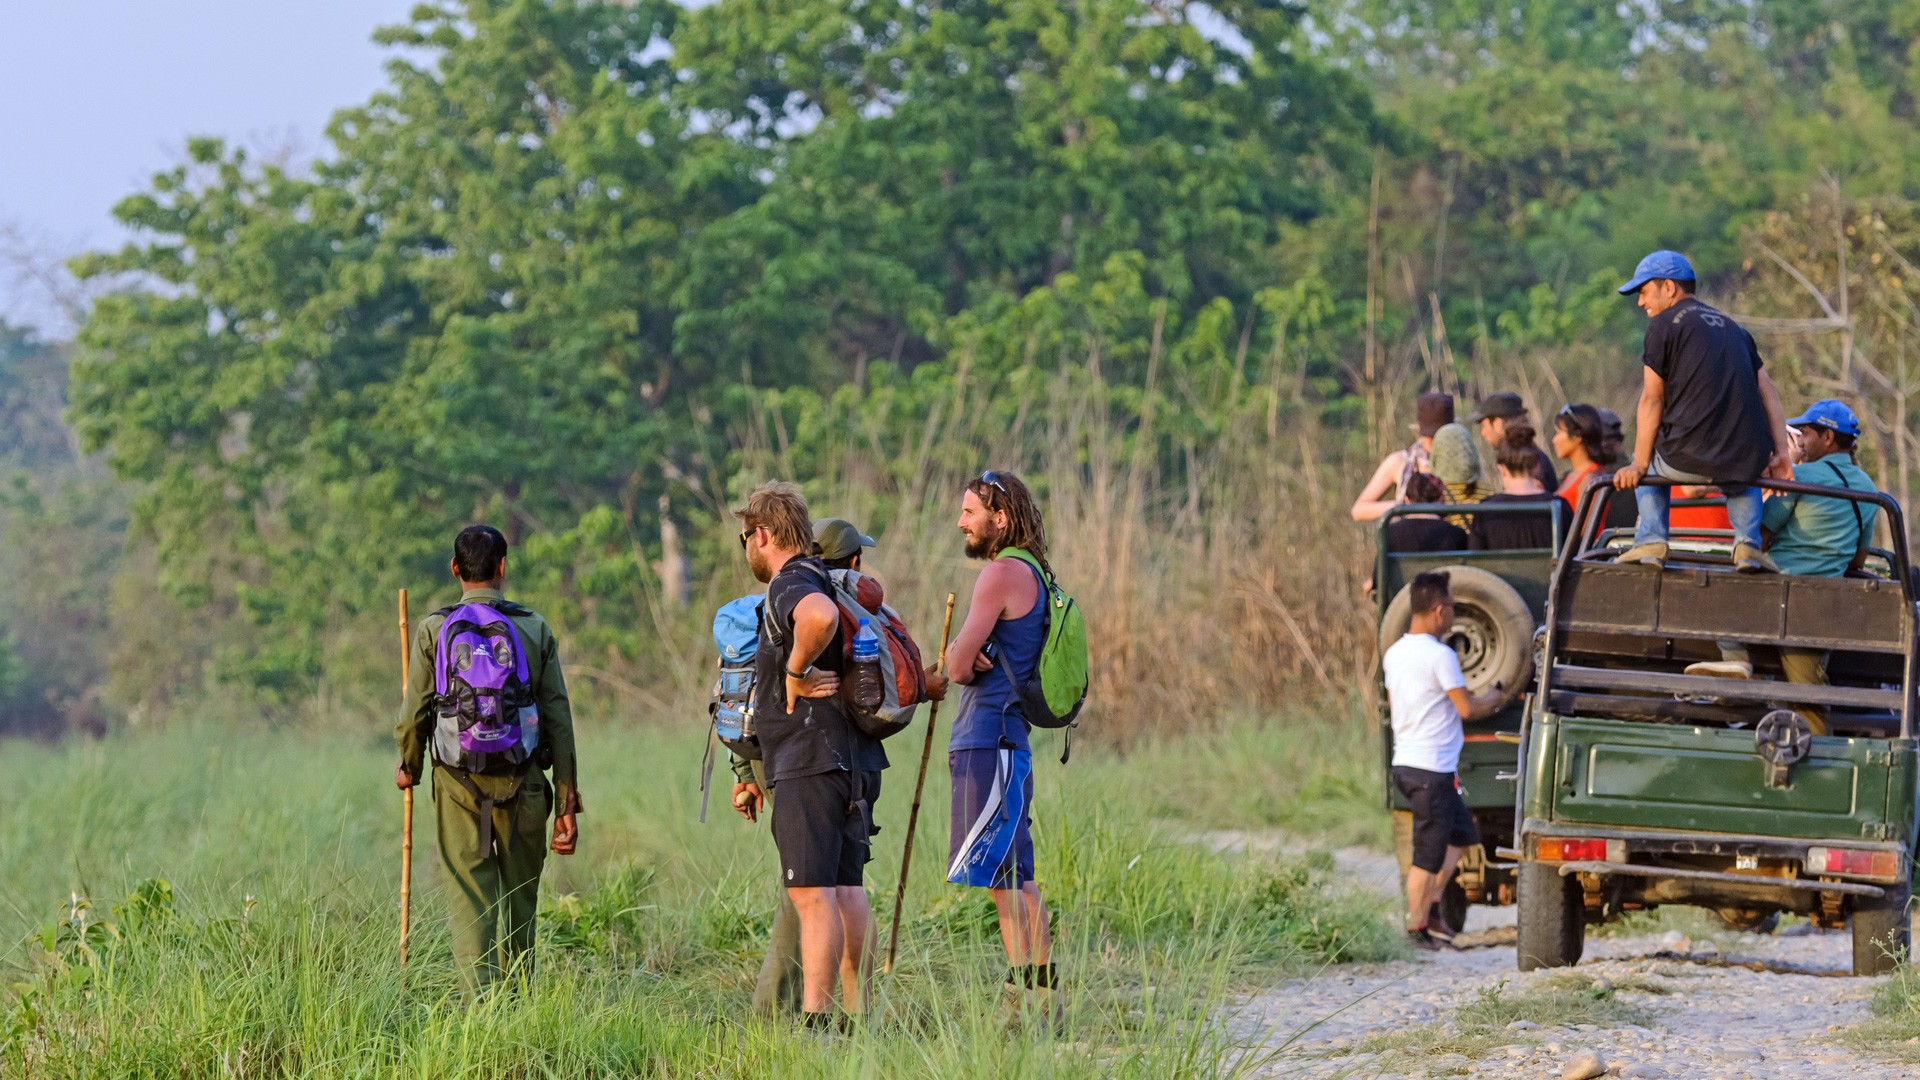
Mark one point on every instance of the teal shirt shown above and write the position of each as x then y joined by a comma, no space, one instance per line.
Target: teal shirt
1816,535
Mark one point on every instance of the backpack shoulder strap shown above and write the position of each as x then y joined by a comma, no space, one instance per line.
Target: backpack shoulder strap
1859,522
1048,586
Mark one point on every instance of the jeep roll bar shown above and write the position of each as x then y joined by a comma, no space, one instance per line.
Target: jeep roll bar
1548,503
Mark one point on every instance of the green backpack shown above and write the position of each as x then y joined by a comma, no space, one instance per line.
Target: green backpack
1053,696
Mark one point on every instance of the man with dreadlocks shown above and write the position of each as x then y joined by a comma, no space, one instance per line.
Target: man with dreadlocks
987,754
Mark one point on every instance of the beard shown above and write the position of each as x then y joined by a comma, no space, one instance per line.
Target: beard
761,566
982,546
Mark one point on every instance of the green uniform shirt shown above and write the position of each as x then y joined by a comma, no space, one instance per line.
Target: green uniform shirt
1814,534
415,730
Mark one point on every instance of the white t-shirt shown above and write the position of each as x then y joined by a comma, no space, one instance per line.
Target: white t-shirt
1426,727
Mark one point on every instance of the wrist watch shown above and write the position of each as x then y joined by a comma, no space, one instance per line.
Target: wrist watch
802,673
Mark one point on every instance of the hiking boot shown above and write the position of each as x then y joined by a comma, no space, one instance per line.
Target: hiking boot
1007,1014
1654,554
1751,560
1721,669
1048,1005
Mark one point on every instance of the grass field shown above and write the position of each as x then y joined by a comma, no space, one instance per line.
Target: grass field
206,903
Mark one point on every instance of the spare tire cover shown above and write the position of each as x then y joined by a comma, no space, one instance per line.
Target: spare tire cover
1492,628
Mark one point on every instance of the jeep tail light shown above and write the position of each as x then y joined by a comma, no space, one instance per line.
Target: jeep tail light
1559,849
1854,862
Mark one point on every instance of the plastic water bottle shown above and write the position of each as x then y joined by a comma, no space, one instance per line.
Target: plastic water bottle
865,676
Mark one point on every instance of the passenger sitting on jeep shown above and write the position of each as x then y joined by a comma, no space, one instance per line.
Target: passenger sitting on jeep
1813,535
1423,532
1520,482
1708,413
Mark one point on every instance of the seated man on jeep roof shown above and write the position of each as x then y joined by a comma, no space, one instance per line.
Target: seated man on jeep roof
1812,535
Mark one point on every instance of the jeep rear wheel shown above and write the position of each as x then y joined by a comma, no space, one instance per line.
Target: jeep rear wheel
1492,628
1552,929
1880,934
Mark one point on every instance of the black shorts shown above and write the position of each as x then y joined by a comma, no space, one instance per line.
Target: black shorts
1440,816
822,838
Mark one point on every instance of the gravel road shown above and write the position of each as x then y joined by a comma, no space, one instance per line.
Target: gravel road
1700,1017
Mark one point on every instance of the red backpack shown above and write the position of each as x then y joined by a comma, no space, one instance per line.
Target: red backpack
861,597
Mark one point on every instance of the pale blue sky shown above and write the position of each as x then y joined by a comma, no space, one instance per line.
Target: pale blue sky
97,95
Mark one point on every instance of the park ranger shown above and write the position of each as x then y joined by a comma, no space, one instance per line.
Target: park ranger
486,697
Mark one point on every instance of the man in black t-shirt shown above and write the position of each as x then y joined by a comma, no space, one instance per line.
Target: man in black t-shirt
1708,414
825,770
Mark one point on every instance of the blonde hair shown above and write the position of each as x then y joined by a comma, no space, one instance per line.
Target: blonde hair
778,507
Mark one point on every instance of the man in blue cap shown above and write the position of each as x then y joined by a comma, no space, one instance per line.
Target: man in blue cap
1708,414
1816,535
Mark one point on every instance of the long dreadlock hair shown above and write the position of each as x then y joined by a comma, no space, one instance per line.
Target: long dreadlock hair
999,489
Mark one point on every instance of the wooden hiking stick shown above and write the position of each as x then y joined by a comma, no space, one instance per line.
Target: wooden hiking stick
406,797
919,783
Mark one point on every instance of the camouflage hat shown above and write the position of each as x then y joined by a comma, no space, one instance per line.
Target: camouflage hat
1456,460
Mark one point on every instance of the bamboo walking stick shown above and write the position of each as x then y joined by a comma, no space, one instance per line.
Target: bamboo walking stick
919,783
406,797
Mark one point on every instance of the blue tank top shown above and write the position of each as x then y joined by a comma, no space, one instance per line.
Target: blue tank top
989,709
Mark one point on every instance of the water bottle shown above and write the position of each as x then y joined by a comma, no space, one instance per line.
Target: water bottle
865,676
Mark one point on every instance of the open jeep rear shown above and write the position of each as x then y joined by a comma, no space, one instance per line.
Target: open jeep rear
1643,786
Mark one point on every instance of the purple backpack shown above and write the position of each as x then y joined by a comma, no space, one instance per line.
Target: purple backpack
486,721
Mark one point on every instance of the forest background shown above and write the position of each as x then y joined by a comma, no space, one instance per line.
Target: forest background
589,271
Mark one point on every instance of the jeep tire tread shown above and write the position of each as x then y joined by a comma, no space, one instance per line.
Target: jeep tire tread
1552,928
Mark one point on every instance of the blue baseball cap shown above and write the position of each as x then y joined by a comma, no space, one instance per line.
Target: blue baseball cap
1830,414
1670,265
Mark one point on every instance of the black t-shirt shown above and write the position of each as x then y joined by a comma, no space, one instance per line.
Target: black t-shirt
1514,532
1424,534
817,737
1714,422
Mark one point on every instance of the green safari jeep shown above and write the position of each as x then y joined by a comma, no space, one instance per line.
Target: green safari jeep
1500,599
1644,786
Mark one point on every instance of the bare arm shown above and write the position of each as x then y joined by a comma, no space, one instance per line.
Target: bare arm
1781,467
1375,499
1653,401
815,618
992,592
1476,706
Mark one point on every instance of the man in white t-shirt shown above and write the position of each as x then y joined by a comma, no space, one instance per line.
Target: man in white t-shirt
1428,695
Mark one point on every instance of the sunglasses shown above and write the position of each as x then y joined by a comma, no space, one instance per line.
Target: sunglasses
992,479
744,534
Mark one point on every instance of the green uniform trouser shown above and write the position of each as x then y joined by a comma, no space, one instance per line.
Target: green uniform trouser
777,989
492,895
1808,667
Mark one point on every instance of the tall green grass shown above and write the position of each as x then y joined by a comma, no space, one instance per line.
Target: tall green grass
212,903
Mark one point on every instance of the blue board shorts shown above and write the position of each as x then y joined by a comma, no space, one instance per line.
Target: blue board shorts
991,827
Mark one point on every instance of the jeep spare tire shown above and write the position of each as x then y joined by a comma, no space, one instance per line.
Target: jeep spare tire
1492,628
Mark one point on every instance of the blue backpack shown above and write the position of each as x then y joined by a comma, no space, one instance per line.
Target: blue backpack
485,720
736,634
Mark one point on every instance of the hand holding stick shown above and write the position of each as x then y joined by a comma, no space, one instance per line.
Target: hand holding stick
919,783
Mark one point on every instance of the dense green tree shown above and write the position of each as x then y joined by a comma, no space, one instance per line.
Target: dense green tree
537,277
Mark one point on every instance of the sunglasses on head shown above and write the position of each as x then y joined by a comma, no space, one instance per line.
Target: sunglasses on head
992,479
